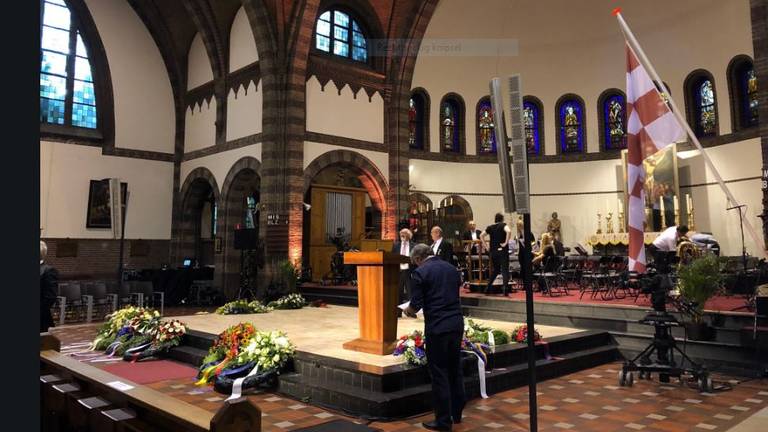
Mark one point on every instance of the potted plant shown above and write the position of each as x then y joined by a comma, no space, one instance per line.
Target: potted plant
698,282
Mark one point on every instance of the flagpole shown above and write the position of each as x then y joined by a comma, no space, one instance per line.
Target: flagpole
635,45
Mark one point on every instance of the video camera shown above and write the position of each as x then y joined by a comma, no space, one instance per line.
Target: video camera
658,285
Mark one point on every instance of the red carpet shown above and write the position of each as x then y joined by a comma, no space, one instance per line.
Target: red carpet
717,304
150,371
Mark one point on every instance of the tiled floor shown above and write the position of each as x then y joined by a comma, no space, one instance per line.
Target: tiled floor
589,400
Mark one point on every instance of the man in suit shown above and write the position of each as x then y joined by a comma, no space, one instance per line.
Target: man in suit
49,283
440,247
472,234
499,236
403,247
435,289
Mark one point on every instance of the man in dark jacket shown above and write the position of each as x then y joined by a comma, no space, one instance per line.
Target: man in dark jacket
49,282
403,247
435,288
441,248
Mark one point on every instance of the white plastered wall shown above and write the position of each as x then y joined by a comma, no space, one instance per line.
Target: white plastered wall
244,109
576,47
313,150
65,174
351,117
143,101
198,65
200,126
242,45
219,164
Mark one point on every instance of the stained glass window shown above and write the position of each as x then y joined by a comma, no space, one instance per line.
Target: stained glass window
705,108
749,79
449,126
485,127
531,122
67,95
614,122
571,115
336,32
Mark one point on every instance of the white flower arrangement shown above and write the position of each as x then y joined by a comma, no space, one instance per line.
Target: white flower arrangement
270,350
291,301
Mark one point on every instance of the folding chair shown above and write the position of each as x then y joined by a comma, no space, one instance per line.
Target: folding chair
144,294
72,301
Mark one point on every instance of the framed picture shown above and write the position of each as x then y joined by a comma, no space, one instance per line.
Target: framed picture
99,214
661,184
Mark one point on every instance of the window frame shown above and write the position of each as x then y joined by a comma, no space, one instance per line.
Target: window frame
423,121
693,111
104,133
603,125
539,120
494,145
353,19
459,105
739,94
570,97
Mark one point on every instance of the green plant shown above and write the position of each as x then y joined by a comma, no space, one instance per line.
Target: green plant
288,274
698,282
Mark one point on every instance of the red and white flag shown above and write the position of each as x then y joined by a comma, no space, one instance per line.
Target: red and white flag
651,126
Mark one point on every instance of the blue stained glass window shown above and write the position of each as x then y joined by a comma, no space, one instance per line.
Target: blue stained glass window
323,28
614,122
347,39
83,115
323,43
83,93
67,93
55,39
531,124
486,127
83,69
53,87
57,16
449,126
705,106
54,63
340,18
571,131
749,84
51,111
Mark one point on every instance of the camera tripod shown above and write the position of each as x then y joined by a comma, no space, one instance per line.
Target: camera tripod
665,346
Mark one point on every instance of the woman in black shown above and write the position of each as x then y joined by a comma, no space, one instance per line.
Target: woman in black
500,236
545,258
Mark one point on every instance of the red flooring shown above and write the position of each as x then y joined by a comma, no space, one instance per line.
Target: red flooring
149,371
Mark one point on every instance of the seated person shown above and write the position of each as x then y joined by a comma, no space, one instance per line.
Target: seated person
545,258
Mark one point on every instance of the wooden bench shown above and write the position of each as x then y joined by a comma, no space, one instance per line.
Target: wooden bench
78,396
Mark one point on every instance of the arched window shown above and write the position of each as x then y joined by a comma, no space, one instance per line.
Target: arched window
67,94
532,122
570,119
701,103
612,106
418,127
452,124
486,137
742,82
336,32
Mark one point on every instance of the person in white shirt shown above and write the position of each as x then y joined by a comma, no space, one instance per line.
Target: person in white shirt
441,249
666,244
404,247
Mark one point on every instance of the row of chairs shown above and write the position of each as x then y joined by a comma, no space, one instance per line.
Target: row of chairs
79,301
603,277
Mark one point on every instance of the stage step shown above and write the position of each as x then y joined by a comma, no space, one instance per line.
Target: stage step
187,354
338,295
402,390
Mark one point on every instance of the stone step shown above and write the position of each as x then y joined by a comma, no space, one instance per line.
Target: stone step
187,354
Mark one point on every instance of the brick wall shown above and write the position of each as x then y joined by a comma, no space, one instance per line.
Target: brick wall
98,258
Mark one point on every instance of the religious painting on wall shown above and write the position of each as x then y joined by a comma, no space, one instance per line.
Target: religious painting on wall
99,214
615,119
661,187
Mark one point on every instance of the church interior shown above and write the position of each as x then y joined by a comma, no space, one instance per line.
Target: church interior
232,195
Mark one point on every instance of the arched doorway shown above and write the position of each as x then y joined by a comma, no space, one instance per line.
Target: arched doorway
452,214
239,211
420,216
199,211
346,197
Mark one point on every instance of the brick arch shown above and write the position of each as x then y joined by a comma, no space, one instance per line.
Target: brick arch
458,200
245,174
371,178
192,195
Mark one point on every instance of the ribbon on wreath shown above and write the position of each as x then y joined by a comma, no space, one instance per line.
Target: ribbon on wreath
480,372
237,386
491,340
136,351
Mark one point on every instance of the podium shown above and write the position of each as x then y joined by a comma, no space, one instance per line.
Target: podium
377,281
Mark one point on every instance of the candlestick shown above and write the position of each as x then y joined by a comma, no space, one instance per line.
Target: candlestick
691,220
688,202
677,217
647,220
621,222
621,206
599,223
609,223
675,204
661,209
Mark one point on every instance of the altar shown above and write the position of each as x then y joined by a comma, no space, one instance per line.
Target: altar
616,243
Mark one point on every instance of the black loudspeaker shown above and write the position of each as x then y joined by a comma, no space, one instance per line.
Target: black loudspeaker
246,239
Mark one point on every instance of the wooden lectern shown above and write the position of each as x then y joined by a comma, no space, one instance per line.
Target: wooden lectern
377,281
